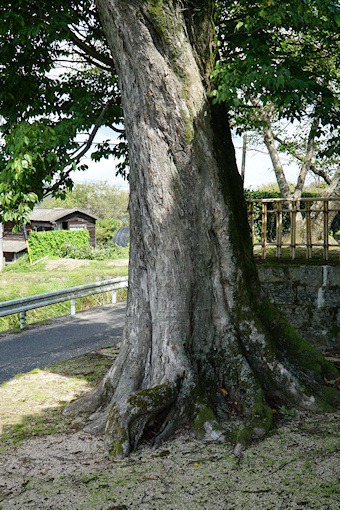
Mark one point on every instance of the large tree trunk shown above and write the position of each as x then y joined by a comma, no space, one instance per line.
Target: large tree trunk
199,335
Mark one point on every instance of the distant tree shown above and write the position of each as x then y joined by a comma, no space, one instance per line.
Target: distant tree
99,198
279,69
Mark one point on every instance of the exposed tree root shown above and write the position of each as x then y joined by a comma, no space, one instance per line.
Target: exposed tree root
210,399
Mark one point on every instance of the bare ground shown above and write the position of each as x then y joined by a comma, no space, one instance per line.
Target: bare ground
48,461
70,264
65,263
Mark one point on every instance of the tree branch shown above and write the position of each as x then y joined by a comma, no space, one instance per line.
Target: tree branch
117,130
317,171
268,137
94,131
91,51
90,60
83,150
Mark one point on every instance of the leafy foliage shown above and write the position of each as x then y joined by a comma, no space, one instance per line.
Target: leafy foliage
52,242
71,244
284,54
60,84
106,229
88,252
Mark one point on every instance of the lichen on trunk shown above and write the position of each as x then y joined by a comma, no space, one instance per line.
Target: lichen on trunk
199,334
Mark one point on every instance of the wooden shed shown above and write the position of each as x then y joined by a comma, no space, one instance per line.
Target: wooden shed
42,219
13,249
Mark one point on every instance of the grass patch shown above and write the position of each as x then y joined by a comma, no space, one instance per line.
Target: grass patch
22,279
31,404
300,257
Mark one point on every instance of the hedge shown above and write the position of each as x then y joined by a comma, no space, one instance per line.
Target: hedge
52,242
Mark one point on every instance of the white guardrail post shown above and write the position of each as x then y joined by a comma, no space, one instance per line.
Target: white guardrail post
21,305
114,297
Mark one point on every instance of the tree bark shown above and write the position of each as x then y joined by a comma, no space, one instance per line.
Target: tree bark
268,137
333,191
199,335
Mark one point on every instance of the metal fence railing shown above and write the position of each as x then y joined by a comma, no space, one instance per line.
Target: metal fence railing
310,223
21,305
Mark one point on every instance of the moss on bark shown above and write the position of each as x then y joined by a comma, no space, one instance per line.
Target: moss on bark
292,345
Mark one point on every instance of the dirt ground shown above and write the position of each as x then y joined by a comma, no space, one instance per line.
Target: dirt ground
119,263
70,264
50,462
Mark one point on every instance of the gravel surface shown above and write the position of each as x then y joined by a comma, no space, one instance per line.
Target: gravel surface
298,466
49,462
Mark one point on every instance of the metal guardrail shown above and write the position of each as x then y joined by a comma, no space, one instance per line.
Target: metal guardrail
21,305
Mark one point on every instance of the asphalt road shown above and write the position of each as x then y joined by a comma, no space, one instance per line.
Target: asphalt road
63,338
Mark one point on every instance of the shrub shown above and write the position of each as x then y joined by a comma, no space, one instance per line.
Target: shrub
106,229
89,253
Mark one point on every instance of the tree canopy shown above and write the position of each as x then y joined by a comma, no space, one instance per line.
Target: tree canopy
279,68
284,53
61,84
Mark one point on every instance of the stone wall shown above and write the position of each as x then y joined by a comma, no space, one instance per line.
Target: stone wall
309,296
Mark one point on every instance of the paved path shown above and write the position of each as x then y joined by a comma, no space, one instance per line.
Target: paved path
62,338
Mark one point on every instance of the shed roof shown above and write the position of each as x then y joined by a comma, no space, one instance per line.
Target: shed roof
56,213
13,246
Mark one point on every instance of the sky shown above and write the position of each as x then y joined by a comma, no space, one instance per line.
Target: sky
258,167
